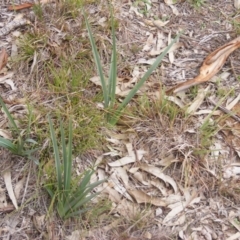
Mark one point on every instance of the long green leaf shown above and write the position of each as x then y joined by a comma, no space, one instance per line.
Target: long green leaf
5,143
131,94
79,202
77,213
9,116
113,69
56,155
81,195
68,170
98,63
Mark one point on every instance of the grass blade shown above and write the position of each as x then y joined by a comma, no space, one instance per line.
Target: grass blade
5,143
56,155
9,116
65,162
68,170
98,63
127,99
113,69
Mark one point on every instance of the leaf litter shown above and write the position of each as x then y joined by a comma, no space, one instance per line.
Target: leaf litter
134,166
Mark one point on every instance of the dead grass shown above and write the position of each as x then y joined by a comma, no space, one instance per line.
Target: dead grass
53,67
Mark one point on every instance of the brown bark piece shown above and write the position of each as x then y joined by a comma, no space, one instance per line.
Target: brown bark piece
20,6
3,58
211,66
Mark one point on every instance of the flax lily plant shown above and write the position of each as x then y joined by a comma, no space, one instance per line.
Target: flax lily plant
109,87
22,145
70,199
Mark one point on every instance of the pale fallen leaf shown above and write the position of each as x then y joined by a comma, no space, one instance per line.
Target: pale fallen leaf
146,61
170,2
170,54
151,41
112,193
141,178
142,197
158,184
174,9
233,103
11,84
9,187
128,159
75,235
128,209
19,187
4,133
122,174
175,211
171,50
3,199
3,58
198,100
234,236
122,161
39,222
158,173
114,181
160,23
237,4
167,161
175,100
231,171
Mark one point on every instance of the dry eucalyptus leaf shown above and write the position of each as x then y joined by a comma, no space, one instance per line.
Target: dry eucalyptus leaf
174,9
159,23
112,193
39,222
158,173
198,100
142,197
141,178
122,174
122,161
210,67
3,58
237,4
127,209
175,211
170,2
9,187
19,187
5,134
170,54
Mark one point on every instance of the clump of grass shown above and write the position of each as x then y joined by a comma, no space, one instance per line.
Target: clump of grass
197,3
109,87
70,200
21,144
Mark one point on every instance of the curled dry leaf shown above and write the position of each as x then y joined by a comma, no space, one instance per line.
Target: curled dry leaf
19,187
20,6
211,66
158,173
8,184
3,58
142,197
112,193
